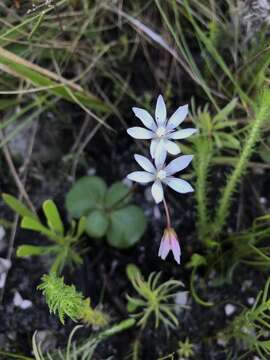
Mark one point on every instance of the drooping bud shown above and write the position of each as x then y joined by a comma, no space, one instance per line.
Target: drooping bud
169,242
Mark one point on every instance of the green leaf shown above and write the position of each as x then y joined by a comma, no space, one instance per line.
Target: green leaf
34,224
97,224
196,261
226,123
81,227
117,194
87,194
53,218
132,271
134,303
7,103
32,250
41,77
223,114
17,206
229,141
126,227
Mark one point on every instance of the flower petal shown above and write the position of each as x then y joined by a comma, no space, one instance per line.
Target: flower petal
140,133
145,163
164,248
172,147
178,117
157,191
182,134
142,177
145,118
161,112
153,147
161,246
178,164
175,249
160,154
178,185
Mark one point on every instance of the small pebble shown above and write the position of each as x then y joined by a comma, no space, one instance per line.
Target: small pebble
2,280
2,233
5,265
148,195
127,182
247,284
181,298
2,238
251,300
229,309
46,339
20,302
221,342
91,171
157,214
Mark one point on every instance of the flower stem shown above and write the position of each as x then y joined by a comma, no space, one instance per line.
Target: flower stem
204,153
168,218
194,292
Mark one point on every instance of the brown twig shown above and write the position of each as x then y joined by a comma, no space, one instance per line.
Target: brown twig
15,175
119,305
21,188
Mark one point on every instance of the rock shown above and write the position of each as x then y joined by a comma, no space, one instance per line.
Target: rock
229,309
91,172
247,284
46,340
2,238
127,182
156,213
251,300
263,200
181,298
20,302
5,265
2,233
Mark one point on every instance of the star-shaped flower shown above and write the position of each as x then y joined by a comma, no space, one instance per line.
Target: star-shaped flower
161,131
161,174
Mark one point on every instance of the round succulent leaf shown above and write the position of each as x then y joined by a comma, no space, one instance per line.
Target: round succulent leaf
97,223
118,195
87,193
127,225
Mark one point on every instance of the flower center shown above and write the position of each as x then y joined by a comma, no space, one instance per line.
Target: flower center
161,174
161,131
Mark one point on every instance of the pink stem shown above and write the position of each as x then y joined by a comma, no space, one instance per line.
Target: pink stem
168,218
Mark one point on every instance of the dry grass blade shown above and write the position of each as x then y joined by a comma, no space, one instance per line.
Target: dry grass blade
41,77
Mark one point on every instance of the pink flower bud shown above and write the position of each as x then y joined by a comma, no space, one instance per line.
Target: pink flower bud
169,242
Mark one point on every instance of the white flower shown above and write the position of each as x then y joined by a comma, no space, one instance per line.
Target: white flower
161,174
161,131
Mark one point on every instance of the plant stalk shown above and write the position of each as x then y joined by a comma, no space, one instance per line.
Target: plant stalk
261,115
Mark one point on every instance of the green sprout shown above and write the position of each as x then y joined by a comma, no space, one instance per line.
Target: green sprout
153,299
185,349
252,326
64,248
